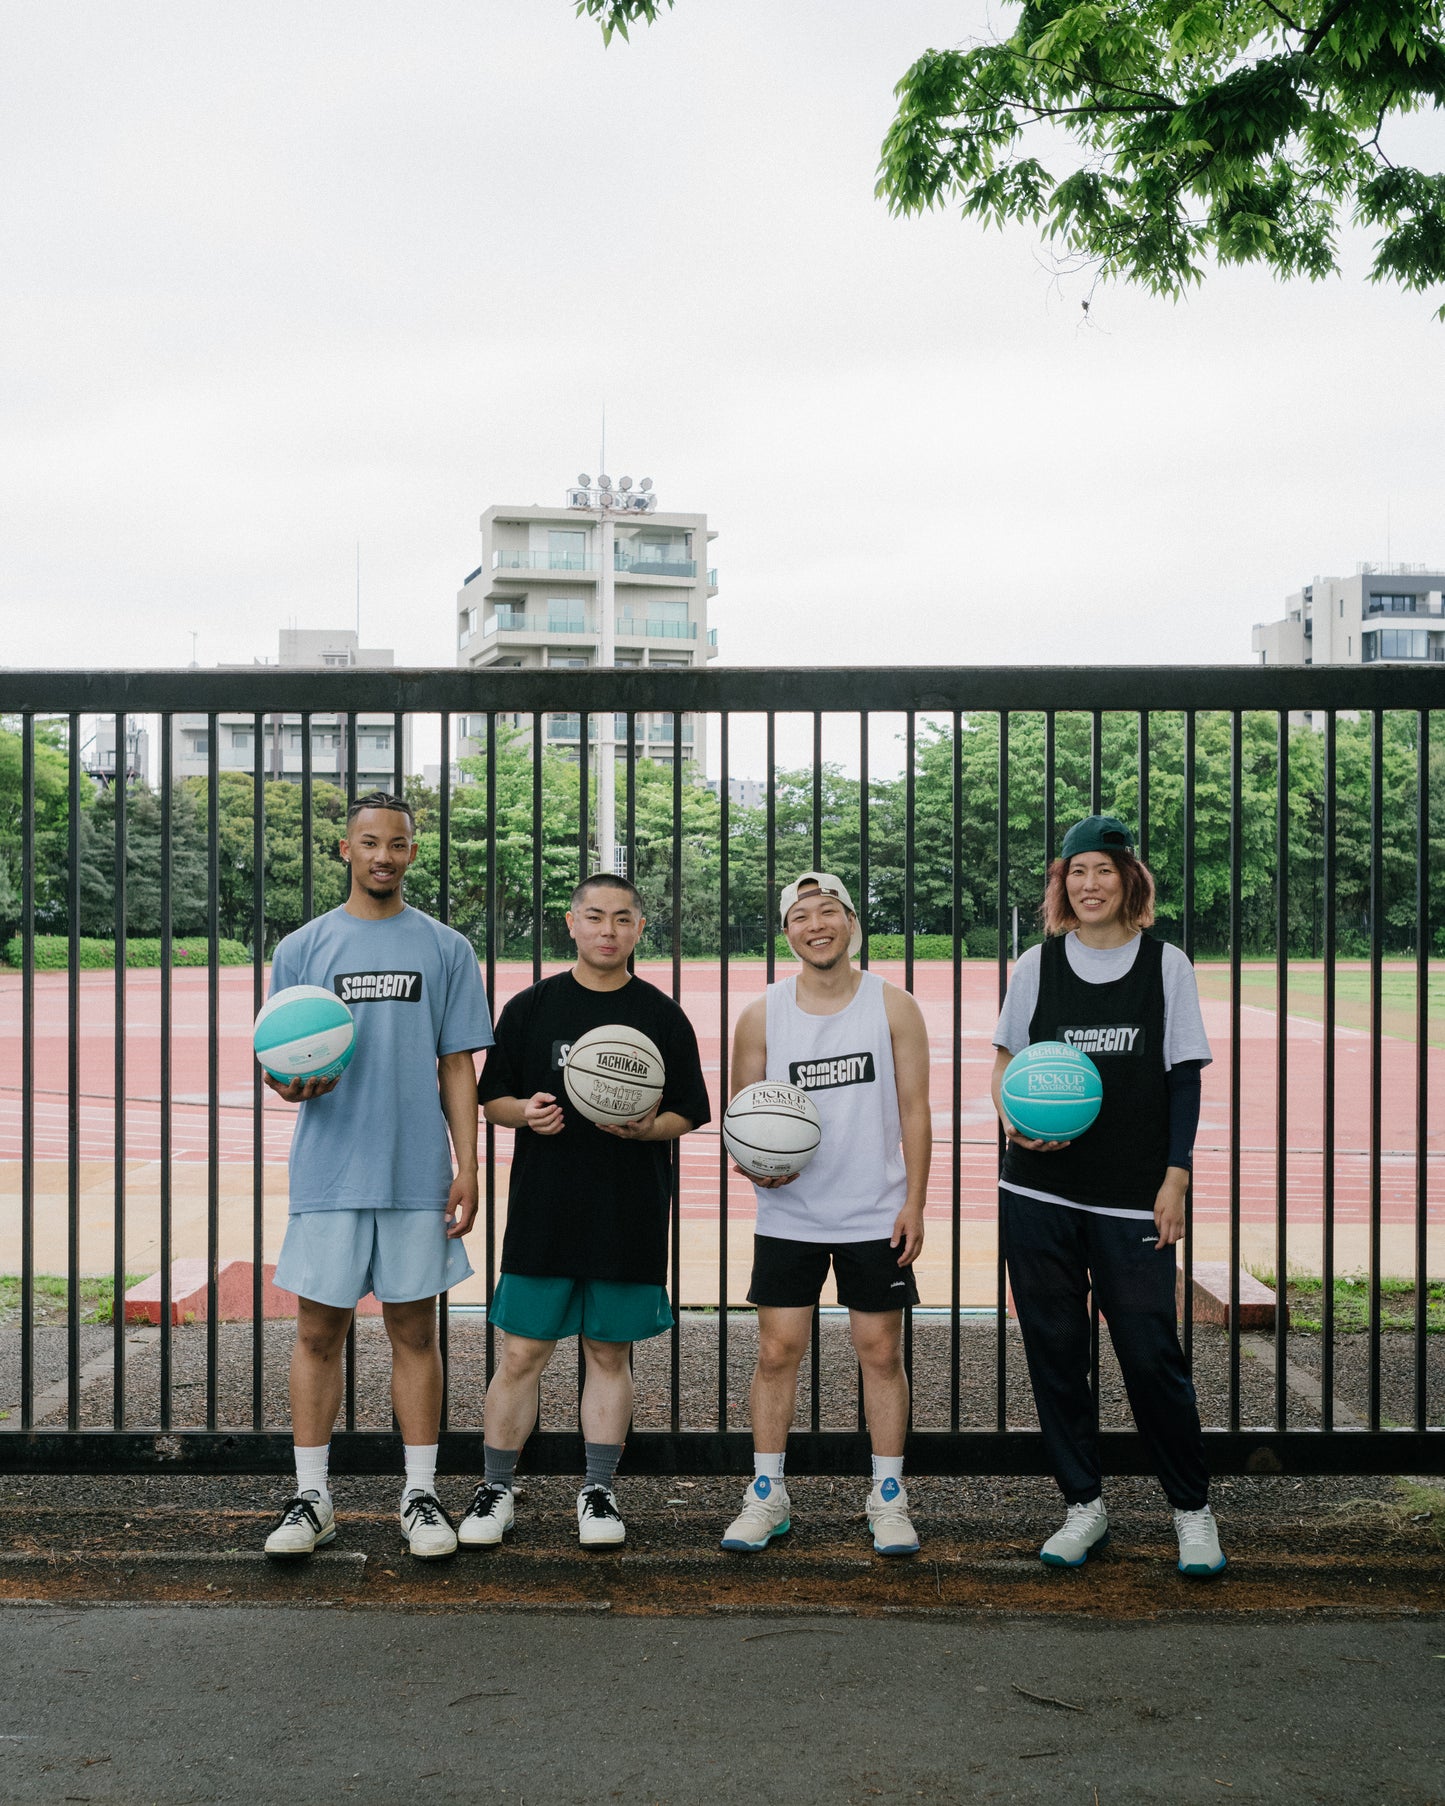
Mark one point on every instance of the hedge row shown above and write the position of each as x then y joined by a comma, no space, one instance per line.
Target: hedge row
978,943
52,952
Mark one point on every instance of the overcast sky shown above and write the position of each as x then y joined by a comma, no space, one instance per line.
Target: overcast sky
279,277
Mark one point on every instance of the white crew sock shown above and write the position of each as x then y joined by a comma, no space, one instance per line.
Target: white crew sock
771,1465
887,1467
421,1467
311,1469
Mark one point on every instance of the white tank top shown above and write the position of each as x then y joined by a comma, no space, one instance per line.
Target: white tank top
855,1185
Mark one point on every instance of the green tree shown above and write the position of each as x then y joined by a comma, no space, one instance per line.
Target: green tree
142,863
52,822
1147,136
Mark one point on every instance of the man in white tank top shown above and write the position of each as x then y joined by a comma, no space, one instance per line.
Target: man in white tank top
859,1048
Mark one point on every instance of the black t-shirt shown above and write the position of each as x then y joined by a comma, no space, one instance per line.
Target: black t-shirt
582,1204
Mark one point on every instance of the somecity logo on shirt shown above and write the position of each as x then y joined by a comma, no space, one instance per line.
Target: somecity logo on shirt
1115,1038
378,987
823,1075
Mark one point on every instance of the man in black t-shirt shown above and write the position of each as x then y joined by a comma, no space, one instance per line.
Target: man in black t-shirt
585,1249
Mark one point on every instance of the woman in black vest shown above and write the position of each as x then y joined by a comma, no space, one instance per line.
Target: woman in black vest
1104,1211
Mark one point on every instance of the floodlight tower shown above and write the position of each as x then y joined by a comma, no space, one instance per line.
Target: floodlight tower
607,502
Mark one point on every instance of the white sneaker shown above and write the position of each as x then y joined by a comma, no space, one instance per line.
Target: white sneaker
599,1523
888,1519
489,1517
1084,1528
765,1514
429,1532
1199,1552
306,1523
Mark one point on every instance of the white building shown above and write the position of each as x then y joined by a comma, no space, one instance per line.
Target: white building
98,751
282,749
1384,613
534,600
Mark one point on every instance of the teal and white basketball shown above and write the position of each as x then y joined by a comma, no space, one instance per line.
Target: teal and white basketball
304,1032
1051,1092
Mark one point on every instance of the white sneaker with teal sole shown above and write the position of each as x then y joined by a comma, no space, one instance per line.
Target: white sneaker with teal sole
765,1514
888,1519
1084,1528
1199,1552
306,1523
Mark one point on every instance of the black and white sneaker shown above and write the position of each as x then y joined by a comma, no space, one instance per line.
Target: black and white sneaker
489,1517
429,1532
599,1523
306,1523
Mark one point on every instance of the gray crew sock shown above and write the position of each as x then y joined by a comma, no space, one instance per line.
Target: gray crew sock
499,1466
602,1459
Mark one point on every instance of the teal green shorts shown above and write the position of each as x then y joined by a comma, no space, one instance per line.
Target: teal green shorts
605,1310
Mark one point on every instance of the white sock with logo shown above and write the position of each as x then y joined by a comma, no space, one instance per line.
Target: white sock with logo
311,1467
887,1467
768,1466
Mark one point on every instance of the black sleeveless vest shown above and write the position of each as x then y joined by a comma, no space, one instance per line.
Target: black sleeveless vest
1121,1160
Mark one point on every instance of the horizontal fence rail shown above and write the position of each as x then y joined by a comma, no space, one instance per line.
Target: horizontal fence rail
1293,819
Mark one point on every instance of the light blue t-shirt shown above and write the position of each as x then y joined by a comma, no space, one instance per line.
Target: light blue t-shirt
379,1141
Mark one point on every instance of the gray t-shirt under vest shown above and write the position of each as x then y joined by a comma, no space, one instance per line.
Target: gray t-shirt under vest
855,1185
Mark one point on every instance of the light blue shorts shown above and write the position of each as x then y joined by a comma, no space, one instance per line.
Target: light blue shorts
337,1256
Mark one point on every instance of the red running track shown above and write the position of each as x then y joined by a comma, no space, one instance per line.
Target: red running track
701,997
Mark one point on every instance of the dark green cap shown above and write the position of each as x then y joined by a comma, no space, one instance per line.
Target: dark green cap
1098,834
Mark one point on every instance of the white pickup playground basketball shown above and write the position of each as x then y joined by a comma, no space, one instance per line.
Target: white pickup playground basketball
772,1131
614,1073
304,1032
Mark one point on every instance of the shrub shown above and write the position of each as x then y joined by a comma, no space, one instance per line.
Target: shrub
52,952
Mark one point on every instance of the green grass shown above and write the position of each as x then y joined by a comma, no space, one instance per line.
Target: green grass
1306,994
1352,1303
52,1298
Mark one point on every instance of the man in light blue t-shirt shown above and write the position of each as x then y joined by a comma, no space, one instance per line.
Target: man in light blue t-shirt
375,1204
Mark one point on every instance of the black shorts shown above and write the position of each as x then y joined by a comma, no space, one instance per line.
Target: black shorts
789,1275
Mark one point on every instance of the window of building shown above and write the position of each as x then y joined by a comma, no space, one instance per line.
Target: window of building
566,549
565,615
1395,642
336,659
568,661
241,739
200,746
469,626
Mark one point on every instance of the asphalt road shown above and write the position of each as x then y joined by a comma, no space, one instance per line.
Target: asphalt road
229,1704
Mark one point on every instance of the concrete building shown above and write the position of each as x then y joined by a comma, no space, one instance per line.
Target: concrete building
534,601
98,751
282,751
1384,613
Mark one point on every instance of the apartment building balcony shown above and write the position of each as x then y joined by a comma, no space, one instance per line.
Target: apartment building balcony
633,627
644,562
1407,607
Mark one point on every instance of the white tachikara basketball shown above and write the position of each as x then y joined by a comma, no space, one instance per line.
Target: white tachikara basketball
613,1073
772,1131
304,1032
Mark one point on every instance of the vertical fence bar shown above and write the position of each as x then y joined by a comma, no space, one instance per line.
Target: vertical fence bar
1327,1151
584,782
167,1345
910,840
724,1055
1422,1061
1143,781
817,789
1377,948
444,913
308,876
1281,1072
955,1254
213,1062
1187,937
632,796
1050,784
27,1071
770,860
493,948
1000,1339
398,755
72,1250
864,873
1096,762
117,1318
1236,862
258,1095
538,904
675,1150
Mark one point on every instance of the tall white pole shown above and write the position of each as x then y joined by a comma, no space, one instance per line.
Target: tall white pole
607,656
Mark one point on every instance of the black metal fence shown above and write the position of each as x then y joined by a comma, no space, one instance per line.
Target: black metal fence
1293,818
